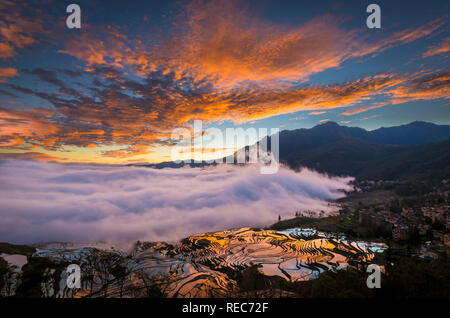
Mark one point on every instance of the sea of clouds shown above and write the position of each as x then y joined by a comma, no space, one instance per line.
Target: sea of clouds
41,201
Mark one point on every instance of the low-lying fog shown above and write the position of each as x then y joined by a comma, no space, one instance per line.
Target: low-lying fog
42,201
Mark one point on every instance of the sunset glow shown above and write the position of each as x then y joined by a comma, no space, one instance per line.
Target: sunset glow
117,92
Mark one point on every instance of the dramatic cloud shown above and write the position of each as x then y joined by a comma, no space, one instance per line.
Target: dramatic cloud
66,202
214,61
441,48
417,87
16,29
222,41
139,115
429,86
401,37
224,44
31,126
6,72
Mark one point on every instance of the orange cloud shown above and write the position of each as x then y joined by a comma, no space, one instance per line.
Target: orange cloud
221,43
17,127
417,87
441,48
399,38
244,105
30,156
131,151
427,87
358,110
370,117
136,124
17,30
112,48
6,50
25,124
7,72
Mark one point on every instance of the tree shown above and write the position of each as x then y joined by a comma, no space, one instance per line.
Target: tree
8,276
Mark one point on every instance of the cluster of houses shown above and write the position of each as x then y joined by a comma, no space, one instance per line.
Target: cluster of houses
433,221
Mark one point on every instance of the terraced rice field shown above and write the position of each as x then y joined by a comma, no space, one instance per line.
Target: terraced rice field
199,265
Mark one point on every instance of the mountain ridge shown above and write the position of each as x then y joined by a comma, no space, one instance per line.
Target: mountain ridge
415,150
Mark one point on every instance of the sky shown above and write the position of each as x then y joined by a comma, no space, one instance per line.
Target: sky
114,90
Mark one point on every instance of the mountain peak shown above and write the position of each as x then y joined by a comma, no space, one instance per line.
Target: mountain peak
420,123
329,124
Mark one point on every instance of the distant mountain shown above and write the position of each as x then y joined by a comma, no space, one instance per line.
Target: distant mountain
415,133
418,149
431,161
172,164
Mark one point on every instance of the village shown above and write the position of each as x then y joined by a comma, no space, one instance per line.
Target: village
415,214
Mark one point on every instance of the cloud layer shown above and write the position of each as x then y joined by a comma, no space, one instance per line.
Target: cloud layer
66,202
